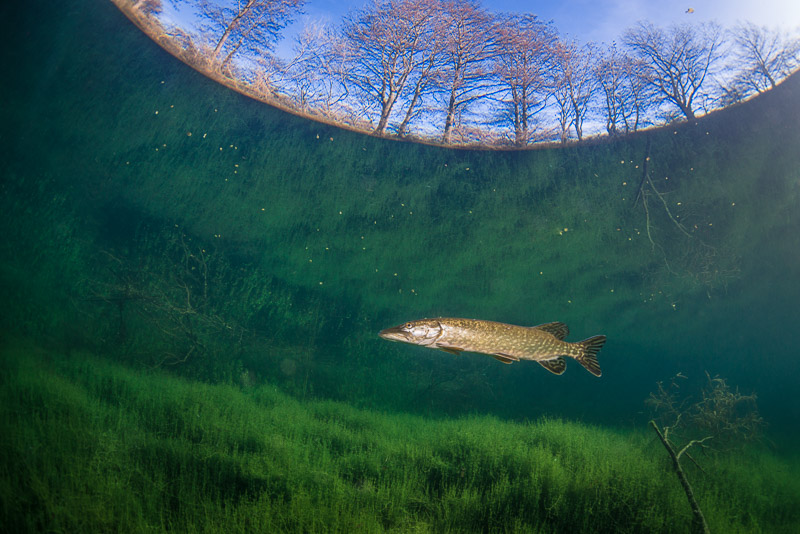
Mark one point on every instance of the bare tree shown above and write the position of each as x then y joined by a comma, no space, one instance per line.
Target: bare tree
252,25
577,80
625,91
677,61
525,51
469,48
564,110
316,74
386,42
421,83
764,56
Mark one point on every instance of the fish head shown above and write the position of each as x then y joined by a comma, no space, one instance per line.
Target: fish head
423,332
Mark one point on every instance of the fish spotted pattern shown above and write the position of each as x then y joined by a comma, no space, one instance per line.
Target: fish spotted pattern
507,343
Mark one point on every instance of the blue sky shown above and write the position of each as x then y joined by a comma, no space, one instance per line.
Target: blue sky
603,20
587,20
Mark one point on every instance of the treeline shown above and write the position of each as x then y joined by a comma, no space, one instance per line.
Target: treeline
453,72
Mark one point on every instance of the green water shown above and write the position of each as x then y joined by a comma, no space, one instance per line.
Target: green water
189,321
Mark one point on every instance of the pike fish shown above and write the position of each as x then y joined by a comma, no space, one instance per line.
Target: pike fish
507,343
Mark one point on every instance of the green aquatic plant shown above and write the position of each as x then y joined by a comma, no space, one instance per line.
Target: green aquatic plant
89,445
727,417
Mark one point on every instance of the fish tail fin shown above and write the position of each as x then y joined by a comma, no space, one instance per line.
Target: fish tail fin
588,358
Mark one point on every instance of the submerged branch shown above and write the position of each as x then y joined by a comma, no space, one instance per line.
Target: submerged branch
699,524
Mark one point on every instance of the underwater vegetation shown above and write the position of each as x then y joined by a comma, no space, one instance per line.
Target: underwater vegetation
727,417
93,446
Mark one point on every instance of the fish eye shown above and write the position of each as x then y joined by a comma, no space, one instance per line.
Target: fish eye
408,326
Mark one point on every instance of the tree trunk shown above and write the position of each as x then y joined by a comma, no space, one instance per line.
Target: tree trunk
699,525
386,110
687,110
448,122
227,33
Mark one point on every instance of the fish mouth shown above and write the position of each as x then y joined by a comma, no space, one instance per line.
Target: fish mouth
394,334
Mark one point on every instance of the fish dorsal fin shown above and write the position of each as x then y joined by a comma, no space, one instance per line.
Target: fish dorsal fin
560,330
555,366
505,358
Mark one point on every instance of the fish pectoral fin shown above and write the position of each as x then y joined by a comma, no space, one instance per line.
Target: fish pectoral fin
451,350
505,358
555,366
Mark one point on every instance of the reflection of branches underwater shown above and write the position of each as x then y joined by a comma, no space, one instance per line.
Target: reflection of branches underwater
176,303
701,261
